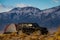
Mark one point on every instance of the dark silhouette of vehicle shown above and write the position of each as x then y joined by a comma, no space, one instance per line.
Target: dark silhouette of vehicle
29,28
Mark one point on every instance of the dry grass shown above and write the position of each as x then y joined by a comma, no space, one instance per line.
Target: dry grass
34,36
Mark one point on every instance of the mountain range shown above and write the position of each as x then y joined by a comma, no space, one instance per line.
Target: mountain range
49,18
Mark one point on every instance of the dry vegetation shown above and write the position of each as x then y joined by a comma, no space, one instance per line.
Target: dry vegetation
34,36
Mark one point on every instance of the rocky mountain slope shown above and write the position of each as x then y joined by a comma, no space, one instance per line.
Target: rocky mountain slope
46,18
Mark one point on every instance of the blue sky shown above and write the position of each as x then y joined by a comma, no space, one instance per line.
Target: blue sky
6,5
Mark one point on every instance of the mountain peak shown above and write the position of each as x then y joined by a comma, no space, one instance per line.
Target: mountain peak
25,9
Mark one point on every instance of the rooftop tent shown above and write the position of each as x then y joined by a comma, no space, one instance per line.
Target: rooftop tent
10,28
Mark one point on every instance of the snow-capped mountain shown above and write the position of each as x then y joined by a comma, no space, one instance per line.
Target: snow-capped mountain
46,18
